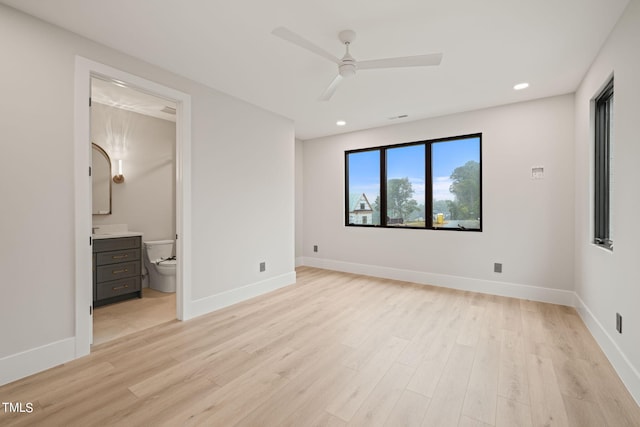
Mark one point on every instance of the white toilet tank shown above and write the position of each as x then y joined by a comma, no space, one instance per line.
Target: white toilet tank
159,249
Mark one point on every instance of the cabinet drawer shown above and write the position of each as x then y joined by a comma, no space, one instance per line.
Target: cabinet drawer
117,287
104,258
104,245
118,271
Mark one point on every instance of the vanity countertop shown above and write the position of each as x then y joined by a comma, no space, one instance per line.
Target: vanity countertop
116,235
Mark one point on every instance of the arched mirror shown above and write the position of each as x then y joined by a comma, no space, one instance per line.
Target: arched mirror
101,178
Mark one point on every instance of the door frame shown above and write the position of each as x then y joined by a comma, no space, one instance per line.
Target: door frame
84,70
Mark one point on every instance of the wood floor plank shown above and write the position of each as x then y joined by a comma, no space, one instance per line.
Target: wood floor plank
583,413
482,390
325,420
511,315
512,413
312,411
156,408
617,405
471,326
375,410
336,348
348,400
430,370
429,326
409,410
466,421
228,403
513,383
321,373
547,405
445,407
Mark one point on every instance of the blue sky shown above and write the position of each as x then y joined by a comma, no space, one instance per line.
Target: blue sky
408,161
364,174
445,157
449,155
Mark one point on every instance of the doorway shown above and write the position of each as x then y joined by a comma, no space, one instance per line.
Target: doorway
84,70
135,133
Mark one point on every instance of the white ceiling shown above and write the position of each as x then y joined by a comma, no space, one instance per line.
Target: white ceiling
488,46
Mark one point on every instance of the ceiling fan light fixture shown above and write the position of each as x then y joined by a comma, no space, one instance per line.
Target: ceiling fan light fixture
521,86
347,70
341,123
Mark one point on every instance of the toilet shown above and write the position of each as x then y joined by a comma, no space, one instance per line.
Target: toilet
162,271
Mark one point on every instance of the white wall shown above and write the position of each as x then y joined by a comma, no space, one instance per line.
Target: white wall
527,224
243,196
299,185
146,200
609,282
239,152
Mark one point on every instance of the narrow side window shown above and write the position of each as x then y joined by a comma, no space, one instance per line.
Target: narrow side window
603,235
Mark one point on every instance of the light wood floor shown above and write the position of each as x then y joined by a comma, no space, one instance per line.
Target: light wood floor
339,349
126,317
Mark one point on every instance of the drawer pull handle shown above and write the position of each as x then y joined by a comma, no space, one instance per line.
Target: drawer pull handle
120,256
124,270
119,287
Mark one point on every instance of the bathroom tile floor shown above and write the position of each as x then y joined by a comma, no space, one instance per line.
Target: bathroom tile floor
126,317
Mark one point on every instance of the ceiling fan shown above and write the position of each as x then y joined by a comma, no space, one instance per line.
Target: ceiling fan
347,66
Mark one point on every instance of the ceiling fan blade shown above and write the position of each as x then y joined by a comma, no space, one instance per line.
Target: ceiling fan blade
329,91
403,61
290,36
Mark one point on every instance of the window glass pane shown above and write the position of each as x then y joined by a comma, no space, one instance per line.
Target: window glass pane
364,187
406,186
456,183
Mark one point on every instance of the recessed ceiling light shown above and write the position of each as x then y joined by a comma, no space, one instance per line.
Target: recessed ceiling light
521,86
341,123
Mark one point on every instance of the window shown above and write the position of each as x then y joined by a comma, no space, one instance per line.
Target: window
363,188
455,167
602,167
405,178
435,184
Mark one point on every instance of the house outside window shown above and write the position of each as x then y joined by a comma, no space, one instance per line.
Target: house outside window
361,211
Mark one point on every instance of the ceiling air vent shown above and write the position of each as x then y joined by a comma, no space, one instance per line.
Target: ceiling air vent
402,116
169,110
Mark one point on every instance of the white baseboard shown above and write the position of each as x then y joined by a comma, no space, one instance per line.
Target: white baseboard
623,366
225,299
514,290
299,261
38,359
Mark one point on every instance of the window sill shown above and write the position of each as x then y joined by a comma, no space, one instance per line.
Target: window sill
608,246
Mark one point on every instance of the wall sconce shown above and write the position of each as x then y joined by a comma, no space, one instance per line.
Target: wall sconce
119,178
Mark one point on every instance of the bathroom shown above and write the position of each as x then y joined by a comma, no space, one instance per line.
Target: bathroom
134,196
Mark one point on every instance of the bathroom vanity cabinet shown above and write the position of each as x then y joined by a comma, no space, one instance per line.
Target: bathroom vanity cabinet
117,269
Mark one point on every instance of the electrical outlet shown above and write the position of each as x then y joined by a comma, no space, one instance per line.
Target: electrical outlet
263,266
618,323
497,267
315,248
